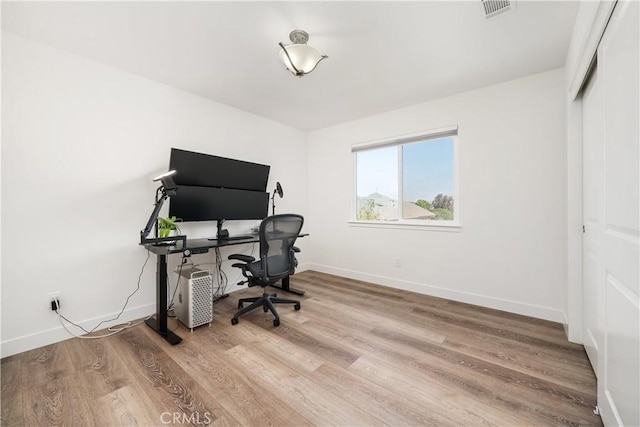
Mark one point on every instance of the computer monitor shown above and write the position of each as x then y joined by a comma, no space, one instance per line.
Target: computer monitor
205,170
213,188
193,203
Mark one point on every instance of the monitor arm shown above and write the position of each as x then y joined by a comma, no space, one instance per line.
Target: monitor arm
162,194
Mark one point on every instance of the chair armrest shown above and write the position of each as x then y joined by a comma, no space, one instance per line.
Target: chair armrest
240,257
295,249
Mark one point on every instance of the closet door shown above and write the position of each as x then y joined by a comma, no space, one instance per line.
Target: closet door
619,356
592,211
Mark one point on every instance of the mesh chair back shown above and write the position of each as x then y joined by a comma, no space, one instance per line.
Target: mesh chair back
278,234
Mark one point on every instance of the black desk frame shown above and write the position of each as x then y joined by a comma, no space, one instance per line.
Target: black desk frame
193,246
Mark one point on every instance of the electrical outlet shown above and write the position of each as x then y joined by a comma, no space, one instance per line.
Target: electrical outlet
53,297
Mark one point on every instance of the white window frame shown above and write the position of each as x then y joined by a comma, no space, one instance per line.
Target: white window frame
433,225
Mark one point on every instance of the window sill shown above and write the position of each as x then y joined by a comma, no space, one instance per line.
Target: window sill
447,227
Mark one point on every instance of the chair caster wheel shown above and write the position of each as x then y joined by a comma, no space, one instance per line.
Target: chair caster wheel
296,307
240,305
265,309
276,322
234,321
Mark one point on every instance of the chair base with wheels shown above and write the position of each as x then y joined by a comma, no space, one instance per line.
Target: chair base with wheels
266,301
277,261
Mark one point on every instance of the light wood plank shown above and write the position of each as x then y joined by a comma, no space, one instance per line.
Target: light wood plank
102,369
127,406
12,391
320,406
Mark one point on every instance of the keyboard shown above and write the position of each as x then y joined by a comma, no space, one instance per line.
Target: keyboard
248,236
239,237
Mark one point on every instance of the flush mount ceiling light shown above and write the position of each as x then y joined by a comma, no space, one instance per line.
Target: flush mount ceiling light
299,58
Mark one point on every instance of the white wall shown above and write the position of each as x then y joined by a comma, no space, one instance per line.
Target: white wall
80,143
511,251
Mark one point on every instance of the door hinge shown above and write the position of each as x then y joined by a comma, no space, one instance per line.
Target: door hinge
583,229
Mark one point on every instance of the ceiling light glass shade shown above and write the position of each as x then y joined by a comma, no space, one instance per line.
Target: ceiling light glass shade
299,58
304,58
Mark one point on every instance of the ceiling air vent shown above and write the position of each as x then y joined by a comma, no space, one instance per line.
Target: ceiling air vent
495,7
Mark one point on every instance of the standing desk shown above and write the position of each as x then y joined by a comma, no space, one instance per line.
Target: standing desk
191,246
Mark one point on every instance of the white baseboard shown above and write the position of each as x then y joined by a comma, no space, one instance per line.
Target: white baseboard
304,267
565,323
57,334
570,331
516,307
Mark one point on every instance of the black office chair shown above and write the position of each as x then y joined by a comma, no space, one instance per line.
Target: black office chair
277,260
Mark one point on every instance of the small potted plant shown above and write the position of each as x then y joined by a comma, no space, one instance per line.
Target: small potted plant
167,225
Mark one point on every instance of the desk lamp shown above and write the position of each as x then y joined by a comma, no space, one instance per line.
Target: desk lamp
280,193
166,190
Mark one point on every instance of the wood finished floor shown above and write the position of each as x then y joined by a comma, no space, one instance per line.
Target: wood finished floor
356,354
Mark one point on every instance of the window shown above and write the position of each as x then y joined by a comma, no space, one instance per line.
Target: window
418,170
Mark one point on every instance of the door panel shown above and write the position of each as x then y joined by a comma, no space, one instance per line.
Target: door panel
619,388
619,355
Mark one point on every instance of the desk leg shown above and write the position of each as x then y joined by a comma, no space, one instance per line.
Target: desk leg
159,324
285,287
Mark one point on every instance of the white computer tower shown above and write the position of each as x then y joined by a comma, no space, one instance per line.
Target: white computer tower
193,304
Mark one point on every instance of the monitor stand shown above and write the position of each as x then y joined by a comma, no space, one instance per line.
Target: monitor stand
222,234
